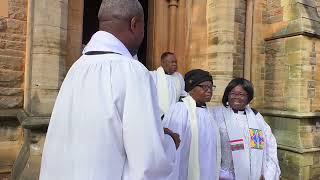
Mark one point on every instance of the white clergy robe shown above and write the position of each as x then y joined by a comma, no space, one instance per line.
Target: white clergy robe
248,146
105,123
206,139
169,87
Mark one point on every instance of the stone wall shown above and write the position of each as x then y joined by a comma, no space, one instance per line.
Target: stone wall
13,29
286,70
12,54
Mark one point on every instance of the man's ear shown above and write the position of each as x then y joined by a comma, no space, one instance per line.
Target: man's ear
133,23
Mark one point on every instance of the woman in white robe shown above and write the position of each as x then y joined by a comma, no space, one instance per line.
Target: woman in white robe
198,157
249,149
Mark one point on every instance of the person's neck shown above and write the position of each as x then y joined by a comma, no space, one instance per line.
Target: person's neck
166,72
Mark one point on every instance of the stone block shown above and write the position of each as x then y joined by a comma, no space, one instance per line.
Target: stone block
42,101
10,130
3,24
16,26
293,44
22,3
295,72
8,75
18,12
20,46
11,63
53,13
48,71
295,58
49,40
10,91
11,102
12,37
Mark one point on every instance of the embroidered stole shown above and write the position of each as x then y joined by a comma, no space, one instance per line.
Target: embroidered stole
247,158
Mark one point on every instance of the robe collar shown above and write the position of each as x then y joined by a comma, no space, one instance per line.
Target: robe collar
199,105
104,41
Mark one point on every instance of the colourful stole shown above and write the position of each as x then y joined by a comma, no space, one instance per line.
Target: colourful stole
247,158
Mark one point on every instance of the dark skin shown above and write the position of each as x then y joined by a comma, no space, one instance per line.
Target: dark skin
202,93
169,64
238,100
174,136
131,33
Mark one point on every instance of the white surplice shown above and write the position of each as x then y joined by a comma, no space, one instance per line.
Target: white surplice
169,88
105,123
205,165
259,153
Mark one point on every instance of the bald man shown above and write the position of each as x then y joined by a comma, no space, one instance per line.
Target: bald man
105,123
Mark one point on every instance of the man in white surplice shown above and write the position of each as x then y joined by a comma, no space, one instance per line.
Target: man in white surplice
248,147
169,82
198,157
105,123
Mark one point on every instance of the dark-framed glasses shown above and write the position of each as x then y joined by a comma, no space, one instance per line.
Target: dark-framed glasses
207,87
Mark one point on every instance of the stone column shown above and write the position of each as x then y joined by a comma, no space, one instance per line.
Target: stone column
44,73
221,42
173,6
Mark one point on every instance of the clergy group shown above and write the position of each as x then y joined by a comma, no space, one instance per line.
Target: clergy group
115,120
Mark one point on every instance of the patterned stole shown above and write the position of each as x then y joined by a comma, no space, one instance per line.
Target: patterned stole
247,158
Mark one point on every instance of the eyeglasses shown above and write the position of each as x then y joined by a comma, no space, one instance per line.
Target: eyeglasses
207,87
240,95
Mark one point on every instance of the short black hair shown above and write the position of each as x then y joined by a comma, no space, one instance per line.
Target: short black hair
165,54
246,85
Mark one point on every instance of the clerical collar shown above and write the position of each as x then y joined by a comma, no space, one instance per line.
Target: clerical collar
239,111
201,105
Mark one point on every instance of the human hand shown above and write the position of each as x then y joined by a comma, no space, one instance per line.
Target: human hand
174,136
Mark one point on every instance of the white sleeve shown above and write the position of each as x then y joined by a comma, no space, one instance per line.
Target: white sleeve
143,134
176,119
154,76
271,169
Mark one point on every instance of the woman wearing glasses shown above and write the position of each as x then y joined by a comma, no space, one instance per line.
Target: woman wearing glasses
198,157
248,147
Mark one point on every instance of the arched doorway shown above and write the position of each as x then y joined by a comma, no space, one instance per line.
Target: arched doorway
91,25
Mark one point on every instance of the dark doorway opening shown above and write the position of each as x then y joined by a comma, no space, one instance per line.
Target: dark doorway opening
90,19
91,24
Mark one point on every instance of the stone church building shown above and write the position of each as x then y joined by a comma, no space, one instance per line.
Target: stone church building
273,43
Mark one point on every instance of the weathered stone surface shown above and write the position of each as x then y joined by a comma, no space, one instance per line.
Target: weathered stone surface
16,26
18,12
11,63
3,24
11,101
10,91
7,75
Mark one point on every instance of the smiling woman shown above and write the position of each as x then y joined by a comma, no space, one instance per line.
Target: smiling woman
249,149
